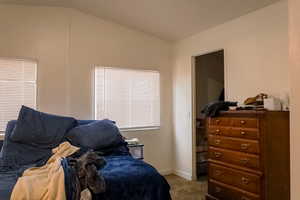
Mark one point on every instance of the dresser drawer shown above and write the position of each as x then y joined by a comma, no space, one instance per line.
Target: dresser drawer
245,122
235,158
246,181
225,192
243,145
247,133
219,121
234,121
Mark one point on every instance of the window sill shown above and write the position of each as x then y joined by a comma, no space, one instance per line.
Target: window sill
139,129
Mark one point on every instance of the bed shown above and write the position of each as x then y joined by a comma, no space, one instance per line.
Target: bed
126,178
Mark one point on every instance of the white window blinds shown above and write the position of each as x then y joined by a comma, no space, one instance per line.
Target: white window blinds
17,88
129,97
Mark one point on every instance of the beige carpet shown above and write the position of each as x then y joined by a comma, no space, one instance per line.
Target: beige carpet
182,189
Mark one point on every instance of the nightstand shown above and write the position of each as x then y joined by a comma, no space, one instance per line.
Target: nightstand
136,150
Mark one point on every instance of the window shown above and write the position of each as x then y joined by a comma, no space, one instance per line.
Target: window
17,88
129,97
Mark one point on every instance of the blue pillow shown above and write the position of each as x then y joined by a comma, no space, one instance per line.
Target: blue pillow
41,129
15,155
96,135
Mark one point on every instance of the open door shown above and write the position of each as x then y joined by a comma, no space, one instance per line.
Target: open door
209,86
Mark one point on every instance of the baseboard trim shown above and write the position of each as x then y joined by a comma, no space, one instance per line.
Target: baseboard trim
166,172
183,174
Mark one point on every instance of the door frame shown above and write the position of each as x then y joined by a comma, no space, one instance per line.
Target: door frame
193,109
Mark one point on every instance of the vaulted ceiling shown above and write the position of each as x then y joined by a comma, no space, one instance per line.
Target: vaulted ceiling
167,19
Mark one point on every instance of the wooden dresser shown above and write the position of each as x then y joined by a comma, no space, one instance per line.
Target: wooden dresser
249,156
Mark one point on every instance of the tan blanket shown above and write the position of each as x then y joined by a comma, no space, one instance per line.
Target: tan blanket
46,182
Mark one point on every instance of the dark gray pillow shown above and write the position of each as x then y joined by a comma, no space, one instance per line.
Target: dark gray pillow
96,135
41,129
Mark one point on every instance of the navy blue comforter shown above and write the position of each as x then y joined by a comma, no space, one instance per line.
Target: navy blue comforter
126,178
130,179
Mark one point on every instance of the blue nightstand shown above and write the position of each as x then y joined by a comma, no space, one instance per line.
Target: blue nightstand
136,150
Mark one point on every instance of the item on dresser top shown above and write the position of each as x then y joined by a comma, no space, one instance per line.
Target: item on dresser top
250,107
285,101
249,156
272,103
257,100
212,109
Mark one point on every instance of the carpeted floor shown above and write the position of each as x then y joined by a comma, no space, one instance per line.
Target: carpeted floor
182,189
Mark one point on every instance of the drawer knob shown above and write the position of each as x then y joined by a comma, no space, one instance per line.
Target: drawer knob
217,142
218,132
217,121
243,133
245,198
245,181
244,161
218,172
218,189
218,154
244,146
243,122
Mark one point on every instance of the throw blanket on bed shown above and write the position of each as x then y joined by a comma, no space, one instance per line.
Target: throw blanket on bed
46,182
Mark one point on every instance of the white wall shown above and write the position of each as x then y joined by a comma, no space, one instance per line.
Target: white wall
256,60
40,34
294,35
67,44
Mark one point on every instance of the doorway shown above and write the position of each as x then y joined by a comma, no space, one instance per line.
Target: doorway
208,87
